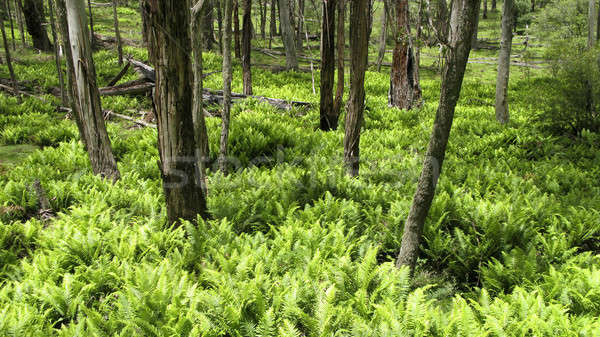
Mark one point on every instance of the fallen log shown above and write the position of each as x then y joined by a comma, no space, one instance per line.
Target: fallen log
146,71
216,97
137,87
131,119
119,75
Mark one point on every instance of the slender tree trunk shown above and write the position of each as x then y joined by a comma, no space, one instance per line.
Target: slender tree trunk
247,47
33,11
475,41
12,26
173,103
272,22
227,75
19,10
442,20
329,117
462,23
84,82
300,28
220,24
145,26
59,72
532,6
11,71
236,30
493,5
502,112
92,31
419,43
598,27
263,18
359,48
208,33
405,90
383,37
117,32
288,34
485,7
341,47
592,21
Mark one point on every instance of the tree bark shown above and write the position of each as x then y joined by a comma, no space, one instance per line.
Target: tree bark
33,11
208,34
592,21
92,32
19,10
502,112
383,37
88,95
220,25
236,30
263,18
145,26
300,26
405,90
463,20
485,7
59,72
493,5
169,49
247,47
287,33
227,76
117,32
359,45
475,41
442,20
12,26
11,71
329,117
341,47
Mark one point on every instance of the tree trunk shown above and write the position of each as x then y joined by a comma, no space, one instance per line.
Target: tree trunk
329,117
341,47
173,105
19,10
287,33
227,76
405,90
263,18
299,26
493,5
11,71
359,48
145,26
502,112
462,24
12,26
236,30
474,40
485,7
273,21
247,47
592,21
442,20
92,32
220,25
88,95
59,72
208,33
33,11
383,37
117,32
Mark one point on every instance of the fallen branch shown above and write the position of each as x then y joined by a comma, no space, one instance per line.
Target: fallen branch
131,119
119,75
136,87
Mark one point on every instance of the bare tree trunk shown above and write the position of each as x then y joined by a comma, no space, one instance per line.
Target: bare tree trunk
208,33
384,33
405,90
59,72
88,95
329,117
92,32
288,35
592,21
273,22
299,26
485,7
173,103
236,30
341,47
227,75
502,112
247,47
11,71
117,32
263,18
33,11
442,20
419,43
145,26
220,25
475,41
19,10
359,48
10,19
493,5
598,27
462,24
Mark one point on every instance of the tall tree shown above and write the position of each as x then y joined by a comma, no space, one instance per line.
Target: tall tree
493,5
359,49
33,11
169,49
405,90
145,26
12,26
61,82
462,24
263,18
85,94
384,33
92,31
208,33
502,112
19,11
300,26
11,71
341,48
592,22
227,75
485,7
329,117
236,30
475,41
247,47
115,3
287,33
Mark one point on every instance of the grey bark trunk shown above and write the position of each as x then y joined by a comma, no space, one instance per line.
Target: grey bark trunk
502,112
173,103
359,45
91,18
88,95
11,71
59,72
592,21
33,11
287,33
117,32
463,19
247,47
341,48
19,10
300,27
227,76
208,36
12,26
328,117
383,37
475,41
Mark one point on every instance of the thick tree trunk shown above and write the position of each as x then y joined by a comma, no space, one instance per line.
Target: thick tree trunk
359,48
329,117
84,82
247,47
592,22
442,20
11,71
208,33
384,33
341,48
59,72
502,112
462,23
227,76
236,30
287,33
117,32
173,103
33,11
405,90
19,10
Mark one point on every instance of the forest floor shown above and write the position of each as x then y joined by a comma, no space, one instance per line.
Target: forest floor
295,247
